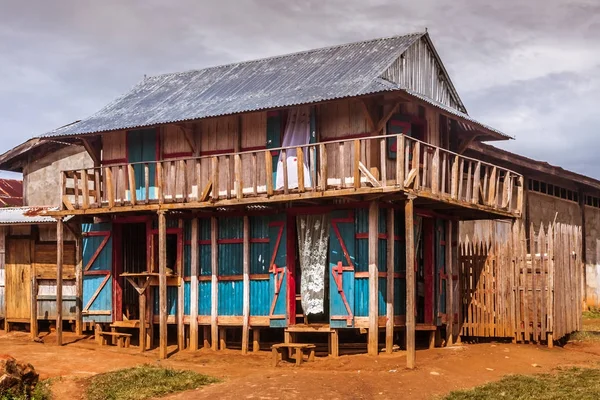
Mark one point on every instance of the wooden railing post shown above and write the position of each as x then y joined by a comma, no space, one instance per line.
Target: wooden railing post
215,178
146,183
416,161
476,183
132,191
520,195
75,189
435,172
85,188
286,187
492,188
110,188
238,177
98,186
454,179
159,182
356,164
383,162
323,166
300,157
400,161
269,171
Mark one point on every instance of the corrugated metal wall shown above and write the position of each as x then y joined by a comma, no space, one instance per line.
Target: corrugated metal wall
204,286
361,285
399,265
382,261
231,264
260,295
46,305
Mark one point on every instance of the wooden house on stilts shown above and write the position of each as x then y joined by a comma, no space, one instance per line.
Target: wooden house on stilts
316,193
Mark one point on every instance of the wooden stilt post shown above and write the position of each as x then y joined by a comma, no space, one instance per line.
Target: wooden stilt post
33,328
59,273
246,299
410,283
373,345
255,340
214,259
180,290
389,313
78,283
143,321
162,283
194,288
449,284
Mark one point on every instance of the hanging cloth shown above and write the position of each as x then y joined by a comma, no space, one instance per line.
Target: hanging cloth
313,241
296,133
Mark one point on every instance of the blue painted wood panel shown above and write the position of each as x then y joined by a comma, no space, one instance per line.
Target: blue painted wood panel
204,298
171,300
342,248
141,147
98,303
279,275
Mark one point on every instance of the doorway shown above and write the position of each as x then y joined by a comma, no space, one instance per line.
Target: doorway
132,259
18,280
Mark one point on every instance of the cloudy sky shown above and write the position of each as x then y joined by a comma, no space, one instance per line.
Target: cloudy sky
532,71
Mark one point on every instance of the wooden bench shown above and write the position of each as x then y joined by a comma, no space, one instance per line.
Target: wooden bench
284,348
123,339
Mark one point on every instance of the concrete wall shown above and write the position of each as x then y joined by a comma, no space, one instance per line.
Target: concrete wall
544,208
41,178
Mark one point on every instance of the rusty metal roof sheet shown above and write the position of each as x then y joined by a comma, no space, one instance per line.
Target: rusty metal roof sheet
11,193
301,78
26,215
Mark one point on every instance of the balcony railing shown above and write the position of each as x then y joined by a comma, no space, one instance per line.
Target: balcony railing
371,164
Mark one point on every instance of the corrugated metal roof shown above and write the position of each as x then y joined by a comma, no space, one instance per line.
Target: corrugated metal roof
11,192
26,215
301,78
455,112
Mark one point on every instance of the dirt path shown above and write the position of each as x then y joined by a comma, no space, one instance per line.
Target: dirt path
348,377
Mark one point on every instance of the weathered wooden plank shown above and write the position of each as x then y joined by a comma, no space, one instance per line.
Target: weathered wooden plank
162,284
323,166
269,171
194,269
400,171
389,324
59,280
300,157
246,293
410,283
356,164
373,343
214,260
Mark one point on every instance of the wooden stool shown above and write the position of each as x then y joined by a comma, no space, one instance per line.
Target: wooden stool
284,348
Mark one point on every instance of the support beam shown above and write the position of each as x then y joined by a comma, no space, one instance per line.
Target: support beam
162,283
214,260
246,295
93,151
194,288
180,289
389,313
78,283
255,340
410,282
59,273
33,326
373,344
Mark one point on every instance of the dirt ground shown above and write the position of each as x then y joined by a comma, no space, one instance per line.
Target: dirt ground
348,377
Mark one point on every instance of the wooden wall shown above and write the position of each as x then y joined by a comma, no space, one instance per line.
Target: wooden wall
2,271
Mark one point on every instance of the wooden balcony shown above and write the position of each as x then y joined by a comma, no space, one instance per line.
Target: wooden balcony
376,164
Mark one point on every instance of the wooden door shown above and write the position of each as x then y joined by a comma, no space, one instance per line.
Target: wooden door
18,280
97,272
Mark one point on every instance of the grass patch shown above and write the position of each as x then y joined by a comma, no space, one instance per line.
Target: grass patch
40,392
592,313
571,383
143,382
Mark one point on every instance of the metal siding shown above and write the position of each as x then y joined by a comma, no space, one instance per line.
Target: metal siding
347,232
204,248
231,254
204,298
231,298
361,289
103,262
260,295
323,74
171,300
187,248
186,297
382,261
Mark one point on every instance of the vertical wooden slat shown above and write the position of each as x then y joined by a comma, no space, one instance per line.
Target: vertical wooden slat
33,326
534,286
300,156
342,164
476,182
449,285
76,189
520,195
492,188
454,184
228,176
373,278
410,283
254,174
194,261
110,189
416,163
185,187
425,167
97,187
162,283
59,279
544,282
389,324
246,294
312,165
356,162
444,168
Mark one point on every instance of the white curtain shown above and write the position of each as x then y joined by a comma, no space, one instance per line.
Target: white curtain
313,241
296,133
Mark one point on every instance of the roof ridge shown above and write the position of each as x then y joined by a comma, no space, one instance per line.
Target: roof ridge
275,57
